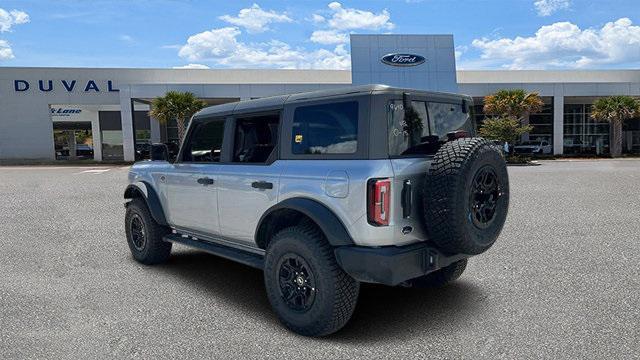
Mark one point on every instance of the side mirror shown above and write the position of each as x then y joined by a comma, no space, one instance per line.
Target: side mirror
159,152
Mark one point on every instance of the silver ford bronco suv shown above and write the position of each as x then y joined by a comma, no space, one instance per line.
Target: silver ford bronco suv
323,191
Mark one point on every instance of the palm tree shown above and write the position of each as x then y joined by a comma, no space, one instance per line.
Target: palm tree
176,105
507,111
615,110
513,103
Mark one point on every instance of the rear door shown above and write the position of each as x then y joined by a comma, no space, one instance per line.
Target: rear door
414,137
192,183
249,181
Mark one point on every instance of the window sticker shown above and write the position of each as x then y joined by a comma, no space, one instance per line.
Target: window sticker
298,139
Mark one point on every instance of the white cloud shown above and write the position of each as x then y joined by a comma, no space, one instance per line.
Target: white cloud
215,43
222,47
341,20
329,37
192,66
548,7
315,18
565,45
5,51
349,19
460,50
7,20
255,20
127,38
10,18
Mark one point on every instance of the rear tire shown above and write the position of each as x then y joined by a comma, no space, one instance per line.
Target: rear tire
144,234
440,277
309,292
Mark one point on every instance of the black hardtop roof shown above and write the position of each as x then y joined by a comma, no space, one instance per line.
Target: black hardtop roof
278,101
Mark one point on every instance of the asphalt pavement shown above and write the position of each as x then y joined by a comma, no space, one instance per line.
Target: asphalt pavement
563,281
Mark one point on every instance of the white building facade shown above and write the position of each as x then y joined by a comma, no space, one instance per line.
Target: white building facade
102,114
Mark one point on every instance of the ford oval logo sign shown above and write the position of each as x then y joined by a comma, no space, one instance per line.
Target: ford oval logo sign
403,59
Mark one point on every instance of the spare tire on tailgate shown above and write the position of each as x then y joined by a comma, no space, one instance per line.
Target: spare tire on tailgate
466,196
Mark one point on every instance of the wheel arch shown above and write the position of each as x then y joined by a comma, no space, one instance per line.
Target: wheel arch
292,211
146,192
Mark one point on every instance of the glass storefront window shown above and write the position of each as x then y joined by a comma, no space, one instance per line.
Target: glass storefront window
582,134
172,132
542,123
631,136
111,131
112,148
143,135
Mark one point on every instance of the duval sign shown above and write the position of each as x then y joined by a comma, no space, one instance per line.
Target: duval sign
397,59
66,85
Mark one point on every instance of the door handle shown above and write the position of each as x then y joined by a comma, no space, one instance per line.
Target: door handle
262,185
205,181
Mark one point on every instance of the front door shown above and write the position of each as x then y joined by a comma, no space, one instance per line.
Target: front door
193,183
249,183
193,198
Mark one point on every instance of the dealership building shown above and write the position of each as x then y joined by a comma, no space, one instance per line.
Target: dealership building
102,114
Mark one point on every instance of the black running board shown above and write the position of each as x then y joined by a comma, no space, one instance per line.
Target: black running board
241,256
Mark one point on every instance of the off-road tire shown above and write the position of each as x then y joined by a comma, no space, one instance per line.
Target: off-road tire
440,277
335,293
154,250
449,191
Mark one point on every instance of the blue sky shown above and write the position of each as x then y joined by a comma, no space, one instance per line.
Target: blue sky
515,34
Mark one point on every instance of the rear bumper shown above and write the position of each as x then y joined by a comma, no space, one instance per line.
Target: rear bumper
391,265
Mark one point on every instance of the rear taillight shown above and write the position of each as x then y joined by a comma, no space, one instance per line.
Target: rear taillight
379,201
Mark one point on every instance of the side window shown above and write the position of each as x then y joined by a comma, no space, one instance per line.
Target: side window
326,129
206,142
255,138
445,118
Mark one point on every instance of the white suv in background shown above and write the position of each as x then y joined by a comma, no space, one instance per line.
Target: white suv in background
534,147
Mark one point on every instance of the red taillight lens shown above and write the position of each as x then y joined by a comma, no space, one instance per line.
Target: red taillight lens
379,201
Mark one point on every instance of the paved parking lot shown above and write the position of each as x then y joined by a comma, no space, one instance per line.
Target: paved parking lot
563,280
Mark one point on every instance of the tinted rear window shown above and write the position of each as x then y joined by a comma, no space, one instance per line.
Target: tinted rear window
326,129
446,117
424,128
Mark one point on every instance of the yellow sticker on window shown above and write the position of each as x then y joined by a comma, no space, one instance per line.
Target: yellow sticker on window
298,139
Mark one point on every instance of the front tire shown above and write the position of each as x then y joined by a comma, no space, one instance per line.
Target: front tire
309,292
144,234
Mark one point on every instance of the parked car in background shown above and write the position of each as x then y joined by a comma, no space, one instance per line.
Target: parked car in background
142,150
84,151
540,147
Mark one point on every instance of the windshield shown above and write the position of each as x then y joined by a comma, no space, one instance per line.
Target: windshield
424,127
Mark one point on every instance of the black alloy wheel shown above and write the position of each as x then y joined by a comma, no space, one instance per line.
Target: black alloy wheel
297,283
138,237
484,196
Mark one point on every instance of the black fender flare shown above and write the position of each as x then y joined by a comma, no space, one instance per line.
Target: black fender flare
332,227
145,191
